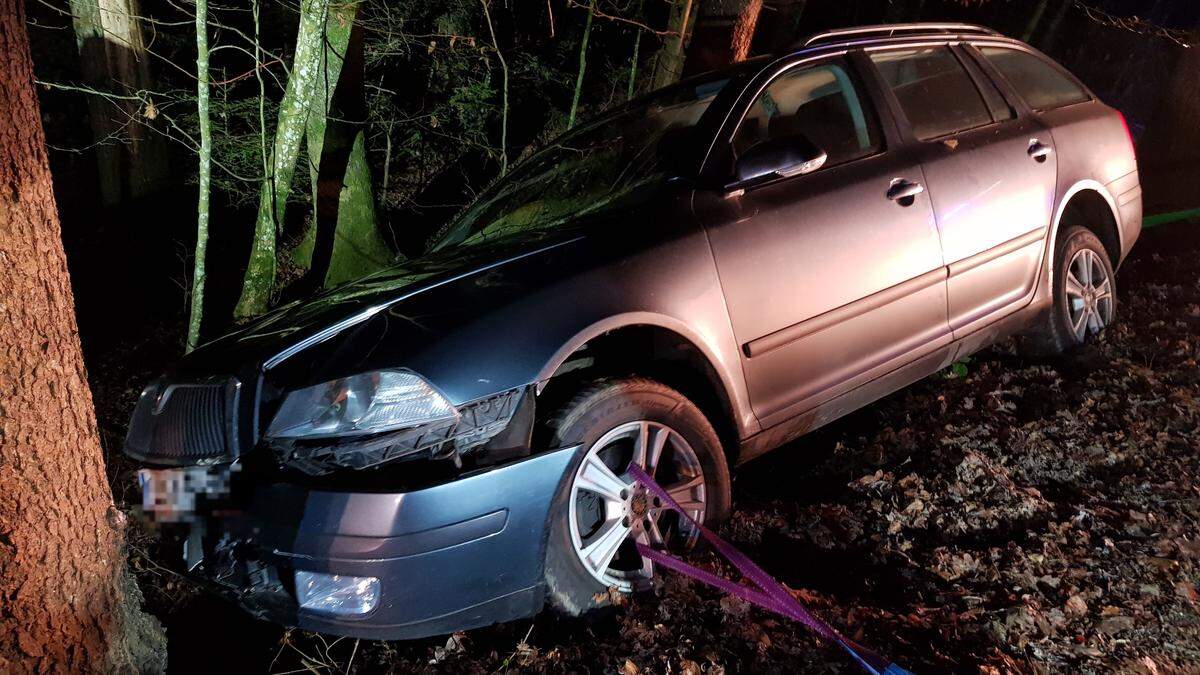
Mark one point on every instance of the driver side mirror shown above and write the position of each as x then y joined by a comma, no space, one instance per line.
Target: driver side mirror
777,158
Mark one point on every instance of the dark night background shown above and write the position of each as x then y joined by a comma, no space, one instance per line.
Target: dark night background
1019,591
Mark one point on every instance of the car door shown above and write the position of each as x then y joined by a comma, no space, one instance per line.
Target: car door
833,277
990,174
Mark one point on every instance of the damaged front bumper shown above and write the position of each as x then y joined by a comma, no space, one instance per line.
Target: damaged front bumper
461,554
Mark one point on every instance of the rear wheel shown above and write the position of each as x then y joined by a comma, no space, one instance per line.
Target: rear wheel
1085,295
600,511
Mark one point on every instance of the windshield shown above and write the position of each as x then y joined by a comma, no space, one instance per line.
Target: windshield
611,163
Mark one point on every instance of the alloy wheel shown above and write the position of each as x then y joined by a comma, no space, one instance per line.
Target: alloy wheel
609,511
1089,294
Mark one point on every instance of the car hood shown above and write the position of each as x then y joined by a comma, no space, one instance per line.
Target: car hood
293,327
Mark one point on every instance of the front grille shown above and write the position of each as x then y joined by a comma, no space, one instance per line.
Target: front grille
176,423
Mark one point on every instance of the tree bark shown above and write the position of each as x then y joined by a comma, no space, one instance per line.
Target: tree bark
259,281
587,31
67,602
724,34
333,56
357,247
633,67
504,100
205,171
668,62
633,62
743,30
338,164
131,158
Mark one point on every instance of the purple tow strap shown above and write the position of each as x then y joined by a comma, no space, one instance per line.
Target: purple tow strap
769,594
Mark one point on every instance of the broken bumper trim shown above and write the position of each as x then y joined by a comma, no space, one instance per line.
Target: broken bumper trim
455,556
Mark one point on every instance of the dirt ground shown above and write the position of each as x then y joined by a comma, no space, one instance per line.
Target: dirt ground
1004,516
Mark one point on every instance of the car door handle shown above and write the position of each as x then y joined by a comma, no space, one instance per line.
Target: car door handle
904,191
1039,151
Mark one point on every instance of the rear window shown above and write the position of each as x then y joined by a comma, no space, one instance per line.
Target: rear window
1042,85
937,95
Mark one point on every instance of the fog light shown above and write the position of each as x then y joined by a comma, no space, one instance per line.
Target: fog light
336,593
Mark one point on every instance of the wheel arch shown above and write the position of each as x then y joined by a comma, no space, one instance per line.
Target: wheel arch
661,348
1088,203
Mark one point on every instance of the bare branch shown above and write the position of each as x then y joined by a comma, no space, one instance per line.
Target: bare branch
620,19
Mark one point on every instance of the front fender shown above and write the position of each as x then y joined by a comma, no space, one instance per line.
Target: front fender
513,325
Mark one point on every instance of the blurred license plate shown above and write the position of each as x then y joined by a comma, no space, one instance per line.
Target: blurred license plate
169,495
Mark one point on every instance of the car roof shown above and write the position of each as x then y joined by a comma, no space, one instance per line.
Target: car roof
898,34
896,30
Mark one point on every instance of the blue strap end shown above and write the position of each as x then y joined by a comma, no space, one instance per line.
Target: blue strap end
894,669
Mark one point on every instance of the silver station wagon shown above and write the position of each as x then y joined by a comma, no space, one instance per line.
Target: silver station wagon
682,284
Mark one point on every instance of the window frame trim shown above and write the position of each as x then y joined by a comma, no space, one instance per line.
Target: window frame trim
983,79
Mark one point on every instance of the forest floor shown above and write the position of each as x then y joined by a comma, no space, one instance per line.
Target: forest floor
1006,515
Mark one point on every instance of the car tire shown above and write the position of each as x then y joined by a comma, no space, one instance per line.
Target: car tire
592,416
1058,330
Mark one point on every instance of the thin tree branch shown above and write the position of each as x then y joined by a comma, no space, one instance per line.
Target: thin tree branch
504,110
620,19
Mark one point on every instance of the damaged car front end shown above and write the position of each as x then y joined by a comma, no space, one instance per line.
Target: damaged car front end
363,491
318,490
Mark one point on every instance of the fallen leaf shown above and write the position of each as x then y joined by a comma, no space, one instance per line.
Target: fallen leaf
611,596
1075,606
1187,591
1115,624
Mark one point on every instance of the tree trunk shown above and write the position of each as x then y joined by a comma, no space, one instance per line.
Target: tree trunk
743,30
205,171
333,56
504,98
668,62
355,247
358,248
306,72
633,67
1034,19
67,602
131,158
587,31
723,35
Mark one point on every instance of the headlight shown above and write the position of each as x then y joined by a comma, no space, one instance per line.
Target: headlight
369,403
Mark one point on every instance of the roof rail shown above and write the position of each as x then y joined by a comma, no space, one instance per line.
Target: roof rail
902,29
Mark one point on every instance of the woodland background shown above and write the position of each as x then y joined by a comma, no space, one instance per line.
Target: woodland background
211,160
321,172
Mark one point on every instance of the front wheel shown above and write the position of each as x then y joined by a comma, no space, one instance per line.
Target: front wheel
1085,295
600,511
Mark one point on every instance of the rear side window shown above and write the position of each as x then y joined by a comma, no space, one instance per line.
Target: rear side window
820,102
1042,85
936,93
